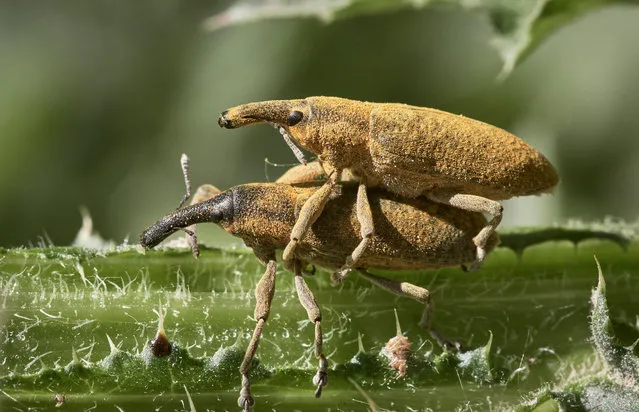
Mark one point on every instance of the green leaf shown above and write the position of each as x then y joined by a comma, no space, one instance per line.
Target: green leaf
620,358
78,323
518,26
615,389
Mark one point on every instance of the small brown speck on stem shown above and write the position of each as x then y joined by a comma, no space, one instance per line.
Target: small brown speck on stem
60,399
160,345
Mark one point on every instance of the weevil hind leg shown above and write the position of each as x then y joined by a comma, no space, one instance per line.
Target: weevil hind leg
314,315
309,213
264,292
479,204
367,231
417,293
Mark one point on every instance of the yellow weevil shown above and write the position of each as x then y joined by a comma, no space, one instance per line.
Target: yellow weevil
411,234
410,151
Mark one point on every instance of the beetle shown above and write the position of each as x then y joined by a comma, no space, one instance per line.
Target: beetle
410,151
411,234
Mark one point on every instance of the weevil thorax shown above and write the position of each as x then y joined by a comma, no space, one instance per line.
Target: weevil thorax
337,129
263,214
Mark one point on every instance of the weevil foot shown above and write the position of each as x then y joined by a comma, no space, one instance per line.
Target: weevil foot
338,276
446,344
479,260
191,239
452,346
245,401
321,377
309,270
320,380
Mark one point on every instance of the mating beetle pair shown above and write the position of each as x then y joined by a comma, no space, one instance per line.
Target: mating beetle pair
410,151
421,180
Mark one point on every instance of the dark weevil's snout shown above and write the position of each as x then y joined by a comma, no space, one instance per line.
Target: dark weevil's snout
272,111
156,233
213,210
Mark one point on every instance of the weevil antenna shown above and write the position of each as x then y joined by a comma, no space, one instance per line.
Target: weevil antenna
184,162
296,150
268,163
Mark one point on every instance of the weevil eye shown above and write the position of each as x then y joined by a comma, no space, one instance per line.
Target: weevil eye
217,215
294,118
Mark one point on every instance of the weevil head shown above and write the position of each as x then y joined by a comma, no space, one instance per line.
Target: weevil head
263,214
218,209
317,124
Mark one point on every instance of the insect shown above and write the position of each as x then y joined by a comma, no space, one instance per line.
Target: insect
410,151
411,234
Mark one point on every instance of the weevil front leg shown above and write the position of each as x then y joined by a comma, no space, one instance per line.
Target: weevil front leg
264,292
417,293
314,315
474,204
367,231
309,213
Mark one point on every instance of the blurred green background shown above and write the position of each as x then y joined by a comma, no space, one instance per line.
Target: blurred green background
99,99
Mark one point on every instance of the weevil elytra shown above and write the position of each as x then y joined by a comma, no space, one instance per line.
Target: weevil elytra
408,150
411,234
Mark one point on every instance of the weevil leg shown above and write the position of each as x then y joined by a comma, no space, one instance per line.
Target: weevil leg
367,231
191,240
312,310
264,292
309,213
474,204
417,293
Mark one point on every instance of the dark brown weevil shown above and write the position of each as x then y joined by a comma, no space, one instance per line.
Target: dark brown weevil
410,151
411,234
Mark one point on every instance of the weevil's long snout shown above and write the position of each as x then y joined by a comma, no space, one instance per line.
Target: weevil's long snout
271,111
212,210
171,223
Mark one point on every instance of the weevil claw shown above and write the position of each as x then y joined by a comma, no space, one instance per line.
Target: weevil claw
321,377
479,260
245,403
447,345
320,380
451,345
338,276
309,271
222,121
